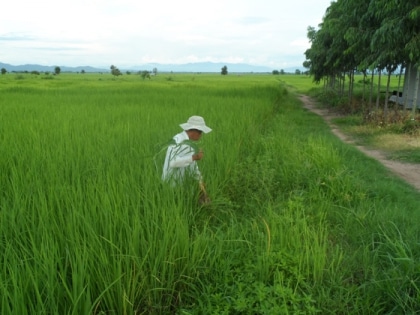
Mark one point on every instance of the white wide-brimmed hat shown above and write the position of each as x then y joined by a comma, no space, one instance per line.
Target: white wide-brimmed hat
196,122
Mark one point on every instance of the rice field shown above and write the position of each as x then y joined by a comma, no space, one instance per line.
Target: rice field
299,223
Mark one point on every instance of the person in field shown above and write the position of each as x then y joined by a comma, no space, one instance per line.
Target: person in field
180,166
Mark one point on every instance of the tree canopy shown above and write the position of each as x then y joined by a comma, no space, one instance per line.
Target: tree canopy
224,70
364,35
115,71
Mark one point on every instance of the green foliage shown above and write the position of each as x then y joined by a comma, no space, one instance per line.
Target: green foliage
145,74
238,292
407,155
300,223
115,71
224,70
331,98
365,35
48,77
365,81
411,127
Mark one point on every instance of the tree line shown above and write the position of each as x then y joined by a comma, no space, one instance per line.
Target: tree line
57,70
364,36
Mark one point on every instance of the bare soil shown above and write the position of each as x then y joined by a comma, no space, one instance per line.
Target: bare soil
408,171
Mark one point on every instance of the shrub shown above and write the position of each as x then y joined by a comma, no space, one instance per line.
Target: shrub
411,127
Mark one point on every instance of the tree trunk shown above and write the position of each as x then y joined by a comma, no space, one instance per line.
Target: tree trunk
416,92
364,91
386,96
351,85
397,103
371,91
399,79
406,91
332,82
379,90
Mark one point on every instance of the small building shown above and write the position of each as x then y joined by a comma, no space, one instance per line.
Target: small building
406,98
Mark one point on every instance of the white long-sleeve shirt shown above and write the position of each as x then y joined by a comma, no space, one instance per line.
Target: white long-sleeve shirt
179,161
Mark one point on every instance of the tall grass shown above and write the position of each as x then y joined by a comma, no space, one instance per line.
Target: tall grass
299,222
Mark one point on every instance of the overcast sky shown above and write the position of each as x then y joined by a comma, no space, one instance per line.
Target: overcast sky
134,32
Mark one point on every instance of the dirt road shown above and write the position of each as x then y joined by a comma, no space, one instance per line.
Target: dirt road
407,171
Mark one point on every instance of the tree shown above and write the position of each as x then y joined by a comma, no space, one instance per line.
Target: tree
155,71
3,71
276,72
374,36
115,71
57,70
224,70
145,74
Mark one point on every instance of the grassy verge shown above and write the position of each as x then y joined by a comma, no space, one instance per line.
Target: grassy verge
397,134
392,139
350,213
300,223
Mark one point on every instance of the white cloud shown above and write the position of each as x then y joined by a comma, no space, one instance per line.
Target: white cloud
131,32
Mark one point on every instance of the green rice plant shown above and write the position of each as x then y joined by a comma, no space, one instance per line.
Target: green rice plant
398,273
79,166
298,222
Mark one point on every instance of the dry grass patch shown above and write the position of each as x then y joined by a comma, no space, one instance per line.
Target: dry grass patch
396,142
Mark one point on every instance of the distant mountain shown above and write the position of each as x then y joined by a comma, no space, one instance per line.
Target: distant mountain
188,67
41,68
211,67
203,67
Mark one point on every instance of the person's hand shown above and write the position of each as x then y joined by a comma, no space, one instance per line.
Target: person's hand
198,156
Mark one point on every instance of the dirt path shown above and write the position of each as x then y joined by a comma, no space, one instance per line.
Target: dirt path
407,171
